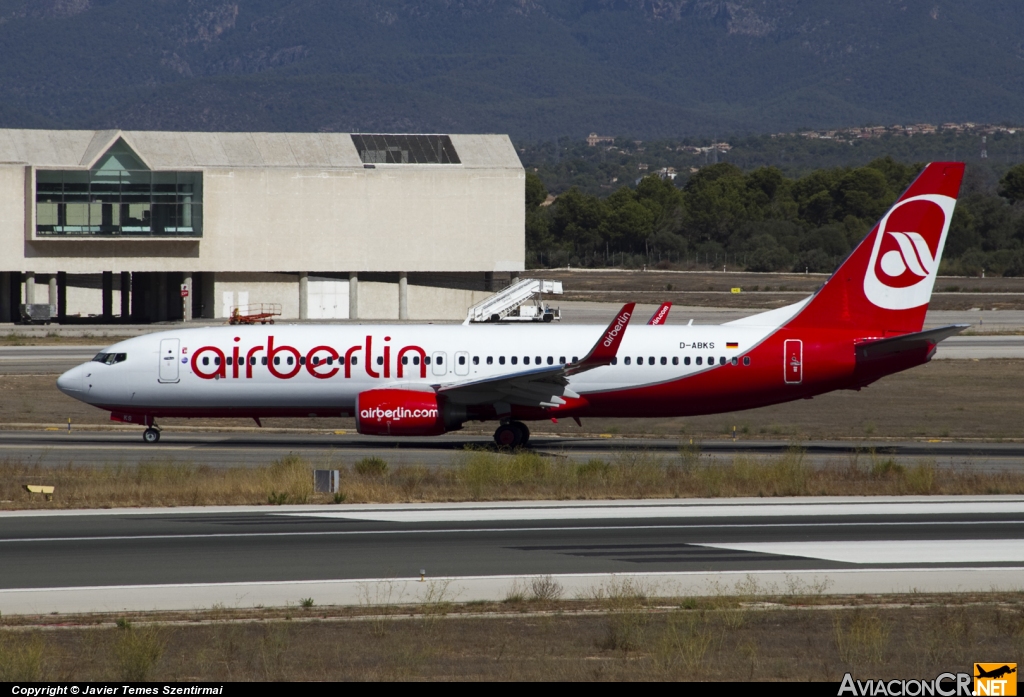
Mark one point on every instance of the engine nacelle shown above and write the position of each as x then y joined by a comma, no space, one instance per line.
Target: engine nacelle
389,412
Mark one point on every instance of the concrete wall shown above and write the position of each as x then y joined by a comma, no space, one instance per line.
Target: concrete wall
12,218
426,302
255,288
377,301
85,295
392,218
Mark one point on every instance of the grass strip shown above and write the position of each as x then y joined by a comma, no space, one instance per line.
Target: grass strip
486,475
615,633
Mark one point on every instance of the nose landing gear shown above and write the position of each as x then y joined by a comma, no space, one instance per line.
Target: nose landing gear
151,435
512,434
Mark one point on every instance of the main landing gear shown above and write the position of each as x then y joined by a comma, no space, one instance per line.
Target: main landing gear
512,434
151,435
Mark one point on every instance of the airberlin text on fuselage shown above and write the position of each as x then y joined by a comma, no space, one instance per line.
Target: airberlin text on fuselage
243,362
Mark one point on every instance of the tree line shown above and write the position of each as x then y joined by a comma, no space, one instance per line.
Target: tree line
762,220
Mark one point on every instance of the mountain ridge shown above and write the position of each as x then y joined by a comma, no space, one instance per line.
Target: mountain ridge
534,70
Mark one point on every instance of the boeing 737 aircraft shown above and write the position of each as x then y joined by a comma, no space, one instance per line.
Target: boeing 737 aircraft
864,323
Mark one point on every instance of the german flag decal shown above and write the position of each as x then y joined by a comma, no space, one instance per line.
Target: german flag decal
732,344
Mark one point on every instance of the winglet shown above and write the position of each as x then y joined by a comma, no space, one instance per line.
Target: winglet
607,347
661,315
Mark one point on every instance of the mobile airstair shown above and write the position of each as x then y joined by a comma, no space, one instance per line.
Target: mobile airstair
512,304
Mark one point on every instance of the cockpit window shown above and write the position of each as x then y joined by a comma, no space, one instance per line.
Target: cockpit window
110,358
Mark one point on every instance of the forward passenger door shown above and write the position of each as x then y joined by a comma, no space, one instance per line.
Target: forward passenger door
168,360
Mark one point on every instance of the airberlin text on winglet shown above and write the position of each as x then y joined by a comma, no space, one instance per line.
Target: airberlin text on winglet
620,323
315,360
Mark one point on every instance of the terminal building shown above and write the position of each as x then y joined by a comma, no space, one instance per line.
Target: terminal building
145,226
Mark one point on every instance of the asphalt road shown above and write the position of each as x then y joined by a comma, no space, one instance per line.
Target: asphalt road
327,450
164,549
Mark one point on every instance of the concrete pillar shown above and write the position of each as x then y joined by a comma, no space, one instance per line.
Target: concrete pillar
209,309
186,302
303,295
52,288
62,296
107,283
5,297
137,297
126,295
353,295
30,288
161,296
403,295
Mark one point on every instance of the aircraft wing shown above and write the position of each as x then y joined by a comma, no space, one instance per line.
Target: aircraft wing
545,386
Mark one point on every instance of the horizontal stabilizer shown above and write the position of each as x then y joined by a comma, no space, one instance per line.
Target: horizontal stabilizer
879,348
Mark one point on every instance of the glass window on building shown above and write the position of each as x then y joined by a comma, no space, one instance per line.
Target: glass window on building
395,149
119,197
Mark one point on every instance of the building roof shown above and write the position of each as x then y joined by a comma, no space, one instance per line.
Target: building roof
175,150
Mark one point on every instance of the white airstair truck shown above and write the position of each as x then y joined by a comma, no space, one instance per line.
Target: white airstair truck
512,304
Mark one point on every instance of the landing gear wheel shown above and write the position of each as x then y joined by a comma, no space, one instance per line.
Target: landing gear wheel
524,432
508,436
151,435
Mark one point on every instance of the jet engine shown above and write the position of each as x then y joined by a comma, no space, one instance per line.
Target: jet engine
391,412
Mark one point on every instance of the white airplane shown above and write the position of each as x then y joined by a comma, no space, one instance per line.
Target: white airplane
864,323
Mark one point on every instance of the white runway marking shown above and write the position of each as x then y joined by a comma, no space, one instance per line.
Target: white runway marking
891,551
681,510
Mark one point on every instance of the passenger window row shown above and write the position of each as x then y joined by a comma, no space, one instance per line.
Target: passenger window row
111,358
288,360
698,360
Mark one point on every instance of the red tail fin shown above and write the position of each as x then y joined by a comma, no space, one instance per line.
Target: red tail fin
884,286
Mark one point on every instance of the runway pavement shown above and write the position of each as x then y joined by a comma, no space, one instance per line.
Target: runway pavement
138,559
328,450
43,360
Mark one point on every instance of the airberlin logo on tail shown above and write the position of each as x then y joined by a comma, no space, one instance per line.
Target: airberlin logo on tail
913,255
906,252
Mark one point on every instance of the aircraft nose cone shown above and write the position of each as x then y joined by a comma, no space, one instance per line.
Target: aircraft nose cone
71,381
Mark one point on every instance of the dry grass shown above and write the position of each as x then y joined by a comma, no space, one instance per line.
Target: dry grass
624,636
483,475
170,483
